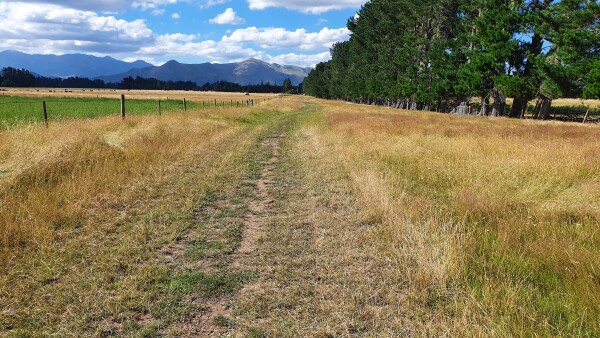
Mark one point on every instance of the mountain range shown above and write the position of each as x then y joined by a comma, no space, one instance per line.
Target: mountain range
81,65
251,71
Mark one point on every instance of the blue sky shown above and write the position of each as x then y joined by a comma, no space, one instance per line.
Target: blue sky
190,31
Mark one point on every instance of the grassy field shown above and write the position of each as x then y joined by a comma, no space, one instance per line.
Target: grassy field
300,217
19,107
134,94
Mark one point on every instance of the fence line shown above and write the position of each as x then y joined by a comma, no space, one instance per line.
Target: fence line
49,108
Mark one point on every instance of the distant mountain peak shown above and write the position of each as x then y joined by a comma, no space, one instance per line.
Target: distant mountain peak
81,65
254,61
250,71
11,51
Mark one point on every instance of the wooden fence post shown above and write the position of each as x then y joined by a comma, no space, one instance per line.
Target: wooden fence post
184,105
122,107
159,107
45,113
587,113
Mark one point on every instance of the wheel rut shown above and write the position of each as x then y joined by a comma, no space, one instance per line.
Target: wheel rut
258,206
209,323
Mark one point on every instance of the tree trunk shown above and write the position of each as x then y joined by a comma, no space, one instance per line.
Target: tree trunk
499,103
485,102
518,107
542,108
462,109
536,110
544,113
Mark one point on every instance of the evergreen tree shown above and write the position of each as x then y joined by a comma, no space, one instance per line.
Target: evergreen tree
287,85
432,53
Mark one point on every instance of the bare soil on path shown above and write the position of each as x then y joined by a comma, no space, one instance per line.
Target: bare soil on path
258,213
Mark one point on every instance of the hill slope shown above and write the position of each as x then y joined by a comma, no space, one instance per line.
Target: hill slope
251,71
67,65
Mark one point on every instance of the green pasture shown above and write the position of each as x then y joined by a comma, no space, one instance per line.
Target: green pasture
17,111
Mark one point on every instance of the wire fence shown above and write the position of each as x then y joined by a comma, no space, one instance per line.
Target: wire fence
559,113
575,114
17,111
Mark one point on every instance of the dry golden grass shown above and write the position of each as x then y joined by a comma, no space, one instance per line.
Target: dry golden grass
383,223
489,226
590,103
53,176
576,102
87,207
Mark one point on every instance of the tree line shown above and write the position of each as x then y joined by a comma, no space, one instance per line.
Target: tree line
226,86
435,54
12,77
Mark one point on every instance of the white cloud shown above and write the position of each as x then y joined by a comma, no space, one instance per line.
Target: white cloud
53,29
229,17
306,6
173,46
302,60
183,45
90,5
177,45
176,37
151,4
59,29
278,38
158,12
211,3
176,16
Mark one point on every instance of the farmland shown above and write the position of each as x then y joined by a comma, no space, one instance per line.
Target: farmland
299,217
24,106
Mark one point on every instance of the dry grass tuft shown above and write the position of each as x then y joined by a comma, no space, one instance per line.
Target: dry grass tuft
489,223
87,206
379,223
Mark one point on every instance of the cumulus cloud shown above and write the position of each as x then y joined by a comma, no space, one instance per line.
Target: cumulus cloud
54,29
88,5
176,16
151,4
278,38
229,17
57,28
302,60
306,6
177,45
187,45
211,3
222,52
